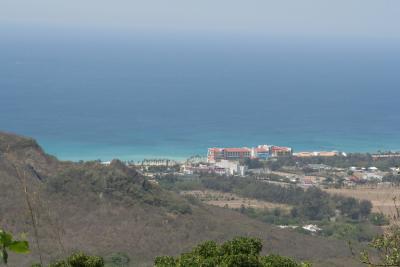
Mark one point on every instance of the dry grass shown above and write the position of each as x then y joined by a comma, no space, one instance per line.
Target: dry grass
232,201
381,198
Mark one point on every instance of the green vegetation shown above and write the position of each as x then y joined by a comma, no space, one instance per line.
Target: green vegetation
387,250
7,243
275,216
241,251
163,169
117,182
341,229
353,159
311,204
379,219
359,231
352,208
78,259
340,217
316,204
173,182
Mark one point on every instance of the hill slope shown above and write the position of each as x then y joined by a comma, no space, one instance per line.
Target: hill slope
105,209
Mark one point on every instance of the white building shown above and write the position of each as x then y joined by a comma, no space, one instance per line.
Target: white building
231,167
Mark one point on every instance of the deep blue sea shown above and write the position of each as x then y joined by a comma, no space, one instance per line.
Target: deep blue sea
140,96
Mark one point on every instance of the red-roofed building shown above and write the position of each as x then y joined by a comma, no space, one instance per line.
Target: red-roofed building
261,152
234,153
217,154
278,151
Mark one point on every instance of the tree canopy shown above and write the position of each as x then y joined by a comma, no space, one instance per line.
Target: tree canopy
239,252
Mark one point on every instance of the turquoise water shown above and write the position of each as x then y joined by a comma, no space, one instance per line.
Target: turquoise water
144,96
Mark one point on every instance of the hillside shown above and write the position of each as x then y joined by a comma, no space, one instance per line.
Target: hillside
105,209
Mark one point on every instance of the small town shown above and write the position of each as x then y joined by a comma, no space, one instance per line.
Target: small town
260,162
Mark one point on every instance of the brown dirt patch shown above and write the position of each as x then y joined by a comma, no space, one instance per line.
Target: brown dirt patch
232,201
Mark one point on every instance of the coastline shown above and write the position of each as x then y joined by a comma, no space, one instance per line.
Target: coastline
79,152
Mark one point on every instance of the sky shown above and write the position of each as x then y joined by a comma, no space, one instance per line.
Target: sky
317,18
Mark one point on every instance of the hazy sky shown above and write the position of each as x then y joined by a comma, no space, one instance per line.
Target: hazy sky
357,18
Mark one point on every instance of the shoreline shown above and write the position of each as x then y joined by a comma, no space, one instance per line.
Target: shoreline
179,158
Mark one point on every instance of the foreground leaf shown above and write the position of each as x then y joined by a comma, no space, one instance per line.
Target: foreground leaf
19,247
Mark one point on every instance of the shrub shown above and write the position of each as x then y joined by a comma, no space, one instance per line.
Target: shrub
279,261
181,208
378,219
365,208
165,261
241,251
347,231
387,248
79,259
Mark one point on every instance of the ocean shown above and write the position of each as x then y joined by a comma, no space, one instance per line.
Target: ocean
144,96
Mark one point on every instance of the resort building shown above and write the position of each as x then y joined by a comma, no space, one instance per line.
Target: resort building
235,154
218,154
261,152
278,151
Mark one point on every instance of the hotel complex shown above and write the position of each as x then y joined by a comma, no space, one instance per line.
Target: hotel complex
259,152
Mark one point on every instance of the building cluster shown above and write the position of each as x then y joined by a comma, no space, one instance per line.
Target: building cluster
230,161
157,162
363,175
223,167
386,155
227,161
234,154
318,154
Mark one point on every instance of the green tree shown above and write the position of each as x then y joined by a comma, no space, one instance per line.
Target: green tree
7,243
239,252
315,204
349,207
365,208
79,259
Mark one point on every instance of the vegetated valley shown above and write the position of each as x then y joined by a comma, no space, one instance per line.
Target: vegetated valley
62,207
